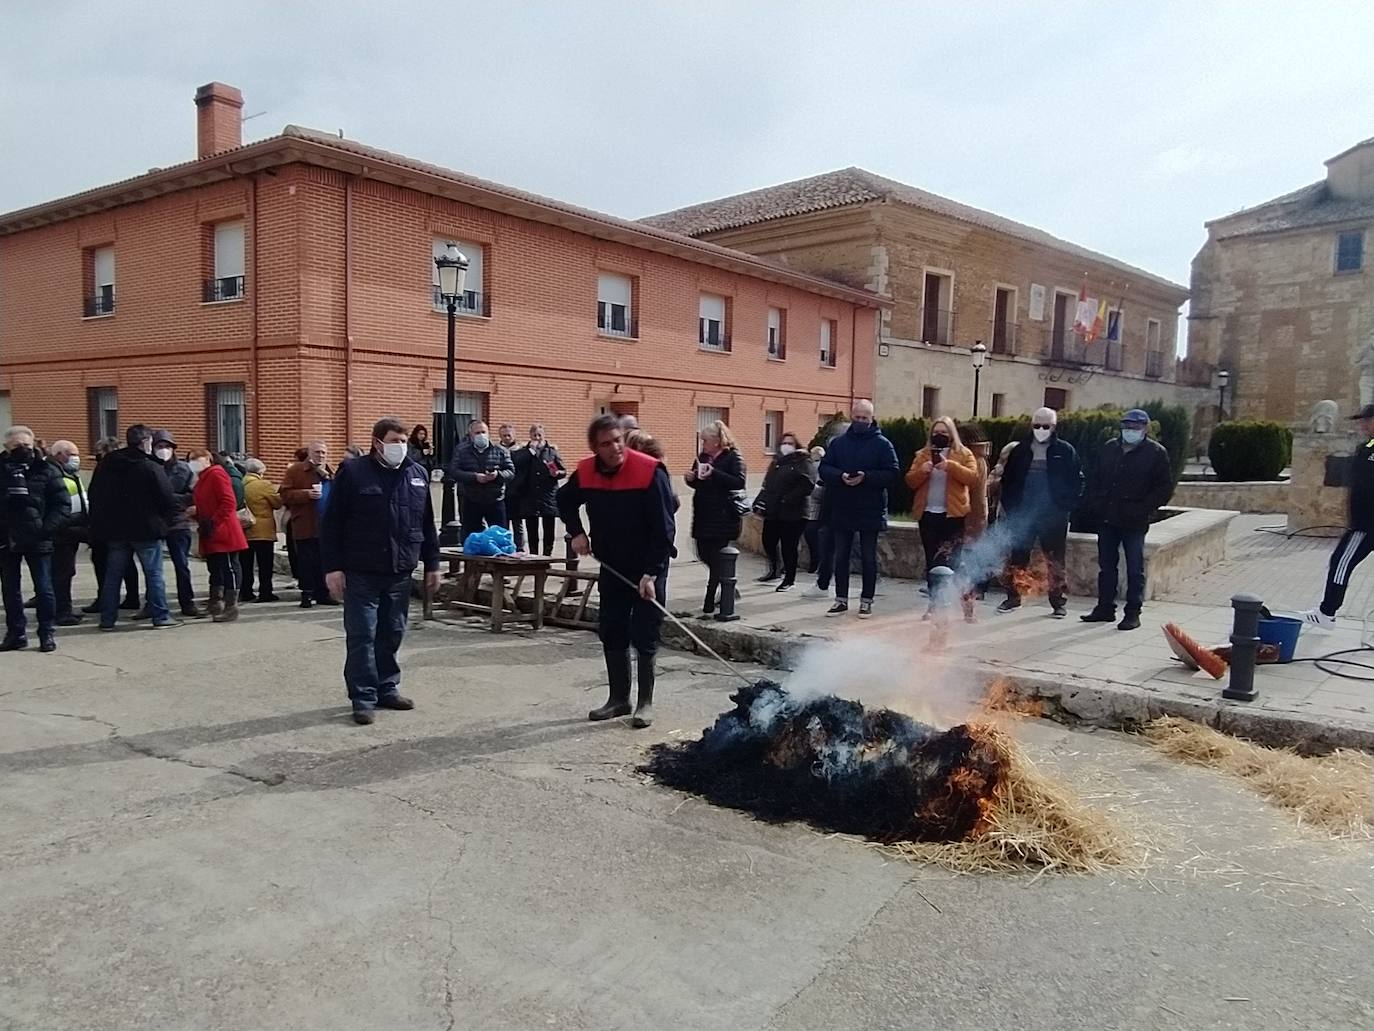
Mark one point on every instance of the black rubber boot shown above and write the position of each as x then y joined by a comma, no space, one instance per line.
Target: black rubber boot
644,708
618,672
708,605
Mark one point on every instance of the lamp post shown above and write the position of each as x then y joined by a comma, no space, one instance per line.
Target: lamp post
453,271
1223,377
979,354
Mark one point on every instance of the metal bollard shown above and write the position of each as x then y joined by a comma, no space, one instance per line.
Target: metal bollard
725,573
1245,641
570,562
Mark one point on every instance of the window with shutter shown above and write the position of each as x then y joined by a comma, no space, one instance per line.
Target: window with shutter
614,294
473,301
712,332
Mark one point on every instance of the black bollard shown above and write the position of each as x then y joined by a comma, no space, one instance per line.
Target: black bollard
725,573
570,562
1245,641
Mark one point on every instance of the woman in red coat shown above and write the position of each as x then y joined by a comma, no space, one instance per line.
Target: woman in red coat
221,535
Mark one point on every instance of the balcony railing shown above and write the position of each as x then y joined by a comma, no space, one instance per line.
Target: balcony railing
937,326
777,349
627,328
1004,337
1115,355
470,302
1065,347
1154,364
225,288
103,303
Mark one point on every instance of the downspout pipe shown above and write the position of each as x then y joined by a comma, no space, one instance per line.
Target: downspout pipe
348,308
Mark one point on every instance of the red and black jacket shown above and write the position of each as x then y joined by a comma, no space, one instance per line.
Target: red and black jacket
630,511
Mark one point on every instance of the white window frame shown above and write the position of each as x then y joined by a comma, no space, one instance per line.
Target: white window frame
777,334
708,415
471,305
229,260
107,405
227,397
606,305
101,281
706,321
829,329
772,430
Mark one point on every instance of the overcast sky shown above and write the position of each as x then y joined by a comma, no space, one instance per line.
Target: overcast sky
1120,126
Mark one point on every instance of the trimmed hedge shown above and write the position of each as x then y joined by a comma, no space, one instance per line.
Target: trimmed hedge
1249,450
1173,429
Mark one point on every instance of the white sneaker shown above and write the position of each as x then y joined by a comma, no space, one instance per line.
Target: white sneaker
1316,619
812,591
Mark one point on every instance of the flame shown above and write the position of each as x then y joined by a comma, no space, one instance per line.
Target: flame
1030,581
1002,696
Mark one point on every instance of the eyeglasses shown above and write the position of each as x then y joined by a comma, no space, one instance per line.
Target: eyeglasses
1041,426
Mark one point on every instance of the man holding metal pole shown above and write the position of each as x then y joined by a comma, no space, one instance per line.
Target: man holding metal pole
629,500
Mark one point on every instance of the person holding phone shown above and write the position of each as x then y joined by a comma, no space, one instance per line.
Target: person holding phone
715,476
941,474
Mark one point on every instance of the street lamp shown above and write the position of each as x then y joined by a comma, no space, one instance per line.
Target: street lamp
979,353
1223,377
453,272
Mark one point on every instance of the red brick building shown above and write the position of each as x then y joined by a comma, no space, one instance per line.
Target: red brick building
266,294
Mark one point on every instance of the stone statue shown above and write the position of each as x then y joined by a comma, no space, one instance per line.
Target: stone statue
1323,417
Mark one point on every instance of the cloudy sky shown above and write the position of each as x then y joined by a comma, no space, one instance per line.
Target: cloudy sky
1120,126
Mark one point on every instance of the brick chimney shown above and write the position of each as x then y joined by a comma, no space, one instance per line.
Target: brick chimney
219,126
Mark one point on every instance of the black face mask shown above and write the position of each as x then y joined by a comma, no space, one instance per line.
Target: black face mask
939,441
22,455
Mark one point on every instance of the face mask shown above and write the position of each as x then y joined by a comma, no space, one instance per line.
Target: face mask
164,454
22,454
1041,435
72,464
199,465
481,441
1132,436
786,449
393,454
940,441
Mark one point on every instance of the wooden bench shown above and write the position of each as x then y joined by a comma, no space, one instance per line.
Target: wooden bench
503,607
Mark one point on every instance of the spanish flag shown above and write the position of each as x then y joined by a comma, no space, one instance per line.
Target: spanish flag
1099,321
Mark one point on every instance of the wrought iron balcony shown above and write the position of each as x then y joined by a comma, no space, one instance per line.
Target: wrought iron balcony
1154,364
470,302
937,326
225,288
102,303
1004,337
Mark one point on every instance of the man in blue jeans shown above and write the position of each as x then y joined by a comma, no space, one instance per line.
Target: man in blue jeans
132,507
1133,480
378,526
179,534
858,468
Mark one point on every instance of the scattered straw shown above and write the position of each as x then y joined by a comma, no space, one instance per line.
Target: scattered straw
1334,792
1033,822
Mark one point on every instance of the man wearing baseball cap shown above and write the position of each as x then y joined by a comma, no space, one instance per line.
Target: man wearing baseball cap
1132,482
1358,540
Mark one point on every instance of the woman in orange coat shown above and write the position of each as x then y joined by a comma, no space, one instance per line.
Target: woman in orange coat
940,475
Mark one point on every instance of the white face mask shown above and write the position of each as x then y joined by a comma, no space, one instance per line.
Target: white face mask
481,441
786,449
163,454
199,465
393,454
1041,435
1132,436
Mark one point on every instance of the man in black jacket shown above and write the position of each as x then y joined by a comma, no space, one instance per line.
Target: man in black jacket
34,509
1133,481
1358,540
131,508
1041,485
482,469
377,527
73,533
630,504
179,533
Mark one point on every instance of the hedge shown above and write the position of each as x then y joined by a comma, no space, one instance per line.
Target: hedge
1174,430
1249,450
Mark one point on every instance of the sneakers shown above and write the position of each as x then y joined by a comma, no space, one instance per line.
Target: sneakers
1058,610
786,585
1010,605
70,619
837,608
166,624
865,608
815,591
1130,621
1316,619
47,644
1099,616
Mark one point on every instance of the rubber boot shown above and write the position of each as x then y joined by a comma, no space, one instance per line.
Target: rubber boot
618,672
231,609
644,707
216,604
709,604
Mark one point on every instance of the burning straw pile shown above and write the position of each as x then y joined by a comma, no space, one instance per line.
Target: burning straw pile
966,797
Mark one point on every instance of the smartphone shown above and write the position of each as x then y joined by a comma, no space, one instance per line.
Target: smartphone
937,457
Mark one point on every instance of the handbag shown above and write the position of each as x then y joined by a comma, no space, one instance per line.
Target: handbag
246,518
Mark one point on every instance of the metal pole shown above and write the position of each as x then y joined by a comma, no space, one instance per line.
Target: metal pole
1221,402
448,531
1244,643
725,573
977,377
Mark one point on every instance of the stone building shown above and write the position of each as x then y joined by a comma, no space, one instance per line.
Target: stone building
268,293
1283,299
956,275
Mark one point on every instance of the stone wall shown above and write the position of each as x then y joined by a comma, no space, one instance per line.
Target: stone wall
1260,496
1175,548
1310,503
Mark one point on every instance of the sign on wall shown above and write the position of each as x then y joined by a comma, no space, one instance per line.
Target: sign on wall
1037,303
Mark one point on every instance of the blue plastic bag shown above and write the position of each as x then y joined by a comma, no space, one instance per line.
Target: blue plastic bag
494,540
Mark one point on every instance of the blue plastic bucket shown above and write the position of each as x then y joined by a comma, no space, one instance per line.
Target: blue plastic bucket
1282,631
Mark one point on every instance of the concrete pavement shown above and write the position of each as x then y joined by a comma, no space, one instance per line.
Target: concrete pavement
195,836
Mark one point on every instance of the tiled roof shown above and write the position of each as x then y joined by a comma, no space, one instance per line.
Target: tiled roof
1307,208
857,186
